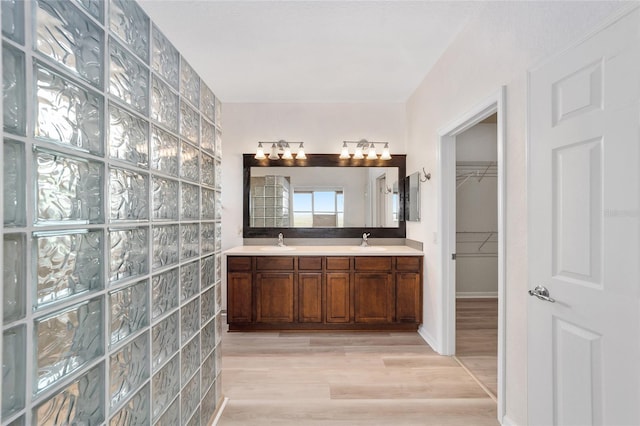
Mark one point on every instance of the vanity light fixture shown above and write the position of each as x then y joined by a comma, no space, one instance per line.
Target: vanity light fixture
280,146
363,147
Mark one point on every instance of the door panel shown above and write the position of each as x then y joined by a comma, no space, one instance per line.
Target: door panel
373,297
338,298
310,297
275,297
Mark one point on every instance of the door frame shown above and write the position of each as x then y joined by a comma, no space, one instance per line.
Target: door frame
494,103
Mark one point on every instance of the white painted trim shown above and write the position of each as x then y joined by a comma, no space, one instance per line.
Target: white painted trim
220,410
428,338
477,295
506,421
446,230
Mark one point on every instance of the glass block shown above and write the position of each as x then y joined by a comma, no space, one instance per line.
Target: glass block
195,418
190,359
190,202
218,171
164,151
208,205
189,123
128,369
218,112
128,193
218,329
129,308
128,253
136,412
190,398
165,199
14,341
13,20
208,371
171,417
67,340
208,137
218,354
68,189
165,246
189,83
190,240
207,305
164,292
208,338
94,7
189,162
80,403
218,297
13,88
207,234
208,170
218,145
218,267
189,320
218,238
165,340
14,278
20,421
165,59
67,264
208,271
14,184
67,36
128,78
189,280
166,385
164,104
209,405
128,21
218,205
68,114
128,137
207,101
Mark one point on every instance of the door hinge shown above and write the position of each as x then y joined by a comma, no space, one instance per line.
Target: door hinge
453,256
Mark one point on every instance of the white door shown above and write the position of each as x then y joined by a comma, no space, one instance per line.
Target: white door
584,232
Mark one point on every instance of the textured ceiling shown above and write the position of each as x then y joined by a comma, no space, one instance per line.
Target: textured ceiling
311,51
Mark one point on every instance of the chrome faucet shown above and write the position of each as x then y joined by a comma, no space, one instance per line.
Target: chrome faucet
280,240
365,241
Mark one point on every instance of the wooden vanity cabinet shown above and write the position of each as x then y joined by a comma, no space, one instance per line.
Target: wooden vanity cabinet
324,292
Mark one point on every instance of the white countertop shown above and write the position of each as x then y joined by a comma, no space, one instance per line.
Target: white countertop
323,251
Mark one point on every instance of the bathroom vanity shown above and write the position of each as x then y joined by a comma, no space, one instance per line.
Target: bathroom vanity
324,288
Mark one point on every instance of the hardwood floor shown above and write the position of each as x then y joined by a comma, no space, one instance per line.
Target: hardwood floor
346,378
477,339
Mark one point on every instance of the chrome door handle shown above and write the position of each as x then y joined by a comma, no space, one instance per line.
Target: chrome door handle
542,293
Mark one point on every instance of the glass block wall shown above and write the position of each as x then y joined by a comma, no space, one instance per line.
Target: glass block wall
112,221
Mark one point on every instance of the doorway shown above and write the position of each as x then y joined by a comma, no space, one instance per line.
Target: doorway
494,104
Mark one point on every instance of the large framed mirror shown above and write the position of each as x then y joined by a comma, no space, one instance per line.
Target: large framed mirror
324,196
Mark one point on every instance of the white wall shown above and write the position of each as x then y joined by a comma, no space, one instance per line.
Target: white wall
322,128
477,211
496,48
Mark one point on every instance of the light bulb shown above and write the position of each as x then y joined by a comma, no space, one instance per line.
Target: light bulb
385,152
358,155
301,155
260,152
287,153
372,153
344,154
274,152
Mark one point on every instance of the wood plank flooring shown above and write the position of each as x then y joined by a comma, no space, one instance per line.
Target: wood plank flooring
346,378
477,339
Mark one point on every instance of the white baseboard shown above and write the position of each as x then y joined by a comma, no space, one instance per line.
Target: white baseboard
428,338
477,295
506,421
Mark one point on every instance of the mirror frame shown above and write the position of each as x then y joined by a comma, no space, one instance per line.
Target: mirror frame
323,160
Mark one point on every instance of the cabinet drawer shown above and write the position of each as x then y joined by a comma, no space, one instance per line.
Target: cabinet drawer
238,263
309,263
274,263
382,263
338,263
408,263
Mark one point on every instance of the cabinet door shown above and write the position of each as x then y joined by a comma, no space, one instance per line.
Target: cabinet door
274,297
239,288
310,297
408,297
338,300
373,297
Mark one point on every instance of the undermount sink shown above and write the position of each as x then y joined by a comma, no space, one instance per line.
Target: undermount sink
369,248
277,248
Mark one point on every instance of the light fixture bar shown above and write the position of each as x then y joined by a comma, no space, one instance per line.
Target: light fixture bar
278,147
364,147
